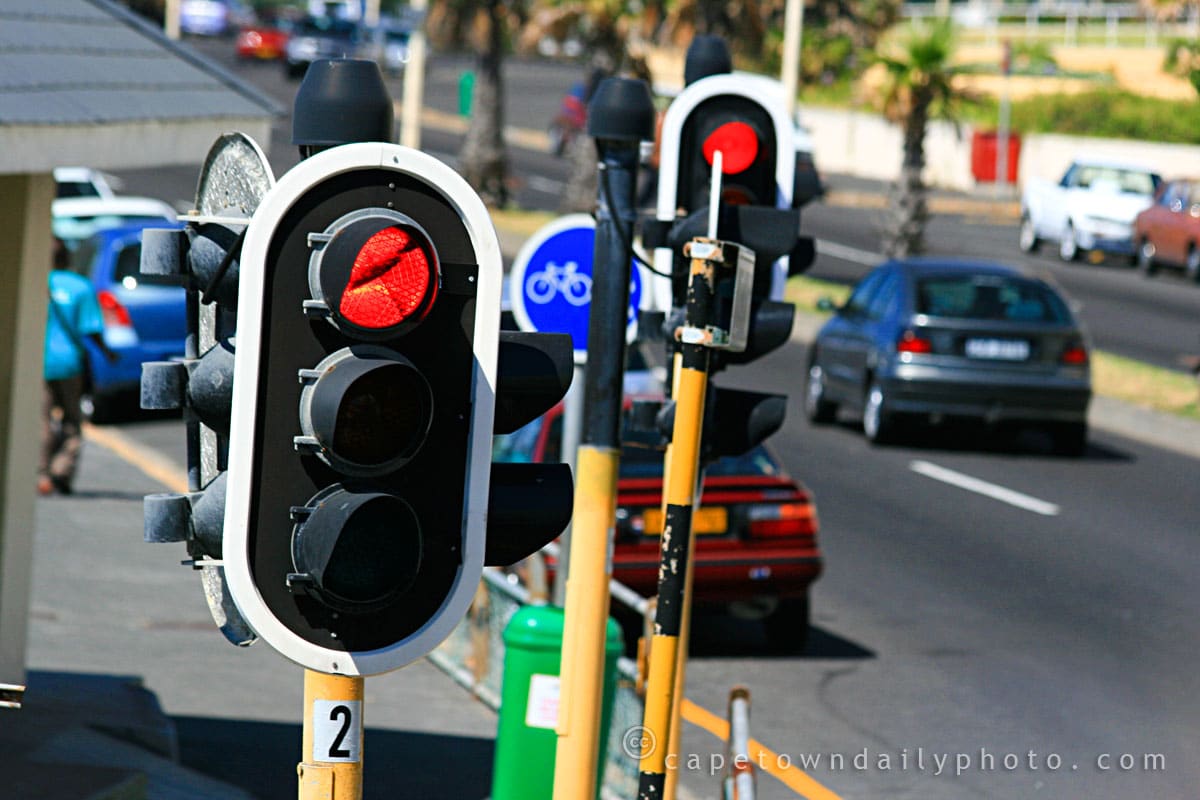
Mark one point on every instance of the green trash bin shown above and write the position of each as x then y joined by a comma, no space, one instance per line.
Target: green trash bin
525,737
466,88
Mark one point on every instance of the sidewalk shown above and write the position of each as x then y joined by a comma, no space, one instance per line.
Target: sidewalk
132,692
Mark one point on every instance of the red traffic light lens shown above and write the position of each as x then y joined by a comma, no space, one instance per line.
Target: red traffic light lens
738,144
393,280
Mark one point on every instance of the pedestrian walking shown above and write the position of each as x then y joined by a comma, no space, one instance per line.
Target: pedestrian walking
73,317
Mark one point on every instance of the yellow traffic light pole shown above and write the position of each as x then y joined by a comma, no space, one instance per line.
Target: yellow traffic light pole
621,115
332,768
680,487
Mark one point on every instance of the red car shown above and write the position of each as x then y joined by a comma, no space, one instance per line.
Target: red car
265,41
756,530
1168,232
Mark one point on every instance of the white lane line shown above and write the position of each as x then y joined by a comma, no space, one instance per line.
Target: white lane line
546,185
983,487
847,253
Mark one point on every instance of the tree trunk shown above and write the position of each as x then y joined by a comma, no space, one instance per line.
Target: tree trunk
580,194
904,232
483,160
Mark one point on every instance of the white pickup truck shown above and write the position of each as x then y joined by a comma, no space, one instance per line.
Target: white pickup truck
1091,208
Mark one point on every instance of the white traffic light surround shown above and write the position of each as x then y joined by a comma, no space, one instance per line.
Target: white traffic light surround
290,188
768,93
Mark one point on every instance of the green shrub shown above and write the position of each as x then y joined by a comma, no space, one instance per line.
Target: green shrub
1109,113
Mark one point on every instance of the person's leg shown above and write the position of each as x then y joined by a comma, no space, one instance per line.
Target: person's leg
49,440
62,467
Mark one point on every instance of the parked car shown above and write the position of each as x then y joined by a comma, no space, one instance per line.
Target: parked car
386,45
1091,208
756,529
316,38
212,17
1168,232
263,41
84,182
76,218
144,316
941,338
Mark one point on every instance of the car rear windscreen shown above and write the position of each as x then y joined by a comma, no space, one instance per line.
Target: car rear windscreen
642,462
989,298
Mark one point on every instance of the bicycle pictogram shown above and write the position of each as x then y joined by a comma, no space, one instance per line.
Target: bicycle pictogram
542,286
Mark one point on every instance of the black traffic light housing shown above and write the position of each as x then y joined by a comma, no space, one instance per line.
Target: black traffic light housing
370,376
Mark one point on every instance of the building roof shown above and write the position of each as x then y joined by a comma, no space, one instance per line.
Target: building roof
87,81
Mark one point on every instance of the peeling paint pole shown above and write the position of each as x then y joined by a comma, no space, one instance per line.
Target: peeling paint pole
679,492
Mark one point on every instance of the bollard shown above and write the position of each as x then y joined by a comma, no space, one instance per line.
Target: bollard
466,89
525,737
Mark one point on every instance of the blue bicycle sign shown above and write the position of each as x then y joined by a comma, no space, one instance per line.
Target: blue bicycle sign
543,286
551,281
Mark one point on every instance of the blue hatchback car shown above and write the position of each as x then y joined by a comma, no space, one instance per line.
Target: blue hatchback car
144,315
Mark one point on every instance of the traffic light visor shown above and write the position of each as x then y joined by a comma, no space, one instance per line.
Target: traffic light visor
376,273
738,143
365,410
356,550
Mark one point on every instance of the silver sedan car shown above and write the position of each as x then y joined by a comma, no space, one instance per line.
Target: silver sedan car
941,338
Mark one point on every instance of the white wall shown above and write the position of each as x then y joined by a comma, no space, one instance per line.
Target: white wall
868,146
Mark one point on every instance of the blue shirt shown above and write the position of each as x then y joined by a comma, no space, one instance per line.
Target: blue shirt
77,306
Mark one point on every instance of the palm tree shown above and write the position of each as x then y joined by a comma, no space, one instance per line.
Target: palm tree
919,84
483,160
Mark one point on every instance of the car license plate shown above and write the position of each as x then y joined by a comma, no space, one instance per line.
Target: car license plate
708,520
998,349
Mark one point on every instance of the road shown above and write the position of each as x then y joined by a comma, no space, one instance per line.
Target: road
954,622
1058,621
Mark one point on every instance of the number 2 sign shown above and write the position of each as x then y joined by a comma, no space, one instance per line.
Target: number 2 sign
337,730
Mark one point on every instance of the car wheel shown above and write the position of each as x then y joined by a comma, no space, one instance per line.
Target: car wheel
1145,258
816,406
1028,240
879,424
1068,247
1191,266
1069,438
787,626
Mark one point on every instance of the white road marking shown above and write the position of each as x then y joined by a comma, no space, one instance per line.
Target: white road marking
847,253
547,185
978,486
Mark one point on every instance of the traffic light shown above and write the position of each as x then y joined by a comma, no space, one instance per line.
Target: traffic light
369,377
741,116
203,258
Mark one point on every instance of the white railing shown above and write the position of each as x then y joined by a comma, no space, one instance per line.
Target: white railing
1111,24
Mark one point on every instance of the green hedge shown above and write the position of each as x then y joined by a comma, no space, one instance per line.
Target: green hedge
1110,113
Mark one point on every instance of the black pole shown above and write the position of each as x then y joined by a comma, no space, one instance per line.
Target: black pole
620,117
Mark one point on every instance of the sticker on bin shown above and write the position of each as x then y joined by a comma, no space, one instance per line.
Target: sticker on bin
542,709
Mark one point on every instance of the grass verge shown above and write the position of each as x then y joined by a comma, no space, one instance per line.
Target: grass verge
1112,376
